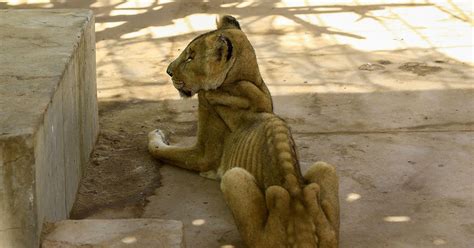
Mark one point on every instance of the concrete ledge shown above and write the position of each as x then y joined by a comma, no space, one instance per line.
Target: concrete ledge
48,117
139,233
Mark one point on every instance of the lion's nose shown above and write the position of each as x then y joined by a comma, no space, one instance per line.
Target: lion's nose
169,72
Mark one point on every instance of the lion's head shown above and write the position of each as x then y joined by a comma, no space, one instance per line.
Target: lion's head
221,56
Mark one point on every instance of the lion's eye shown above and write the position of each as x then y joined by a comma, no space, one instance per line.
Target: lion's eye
189,59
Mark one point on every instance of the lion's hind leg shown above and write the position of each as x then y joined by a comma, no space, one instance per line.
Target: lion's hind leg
259,217
246,202
324,175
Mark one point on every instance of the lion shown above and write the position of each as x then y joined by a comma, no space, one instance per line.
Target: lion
241,142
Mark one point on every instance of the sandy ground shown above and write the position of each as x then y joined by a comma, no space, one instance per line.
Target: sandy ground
381,89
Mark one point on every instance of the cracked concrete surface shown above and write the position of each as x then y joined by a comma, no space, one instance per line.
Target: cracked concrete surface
400,134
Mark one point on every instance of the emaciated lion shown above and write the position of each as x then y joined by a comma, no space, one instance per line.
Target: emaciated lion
242,142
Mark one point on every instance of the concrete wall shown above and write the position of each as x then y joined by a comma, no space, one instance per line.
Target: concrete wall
48,117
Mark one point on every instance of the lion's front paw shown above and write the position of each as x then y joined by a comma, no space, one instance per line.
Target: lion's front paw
157,139
210,174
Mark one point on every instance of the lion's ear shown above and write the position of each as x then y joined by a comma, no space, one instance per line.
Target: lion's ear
227,22
224,47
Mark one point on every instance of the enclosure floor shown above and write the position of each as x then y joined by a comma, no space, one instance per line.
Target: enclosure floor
399,130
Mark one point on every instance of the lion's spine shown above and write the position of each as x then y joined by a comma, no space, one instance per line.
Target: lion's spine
281,146
280,141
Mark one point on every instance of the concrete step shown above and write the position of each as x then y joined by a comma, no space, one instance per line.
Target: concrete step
137,233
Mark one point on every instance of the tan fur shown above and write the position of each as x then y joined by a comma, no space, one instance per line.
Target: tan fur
251,149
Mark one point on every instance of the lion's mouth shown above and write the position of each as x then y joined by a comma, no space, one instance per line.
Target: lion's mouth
180,86
185,93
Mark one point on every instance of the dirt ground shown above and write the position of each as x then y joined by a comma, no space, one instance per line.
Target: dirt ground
381,89
121,173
